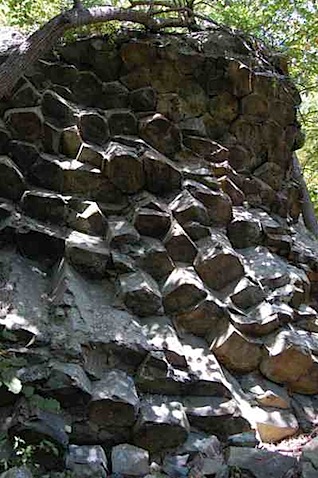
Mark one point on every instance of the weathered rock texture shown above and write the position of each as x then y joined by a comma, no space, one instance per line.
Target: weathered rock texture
154,266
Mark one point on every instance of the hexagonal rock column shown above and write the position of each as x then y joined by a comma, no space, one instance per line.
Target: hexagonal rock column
162,175
88,254
124,168
12,184
162,424
160,133
216,263
87,460
130,460
288,360
179,245
93,128
57,110
203,317
183,289
25,123
114,400
218,204
151,222
153,257
233,349
245,230
140,293
186,208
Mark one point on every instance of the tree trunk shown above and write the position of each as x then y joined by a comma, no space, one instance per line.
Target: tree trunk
41,41
308,211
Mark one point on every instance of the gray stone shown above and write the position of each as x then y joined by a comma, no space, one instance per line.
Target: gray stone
266,393
231,189
45,206
89,254
162,424
114,400
26,124
130,460
259,321
214,257
57,110
68,384
12,183
87,461
17,472
160,133
215,415
183,289
91,154
140,293
195,230
261,463
162,335
244,230
309,452
207,148
93,128
179,245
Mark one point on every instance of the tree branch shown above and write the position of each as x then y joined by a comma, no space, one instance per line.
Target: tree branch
41,41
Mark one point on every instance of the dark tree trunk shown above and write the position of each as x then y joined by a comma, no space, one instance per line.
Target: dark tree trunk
308,211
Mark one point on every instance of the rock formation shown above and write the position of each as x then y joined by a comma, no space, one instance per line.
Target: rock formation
157,283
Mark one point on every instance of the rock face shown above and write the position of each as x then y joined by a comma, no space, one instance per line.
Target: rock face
154,270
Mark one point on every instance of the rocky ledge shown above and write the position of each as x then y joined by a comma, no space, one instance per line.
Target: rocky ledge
158,287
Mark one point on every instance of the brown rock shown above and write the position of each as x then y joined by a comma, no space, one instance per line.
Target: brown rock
233,349
57,110
208,149
91,154
186,208
12,183
25,123
255,105
214,258
86,216
218,204
230,188
150,222
93,128
121,232
203,317
179,245
244,230
160,133
88,254
183,289
288,360
124,168
70,142
153,257
121,122
162,176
